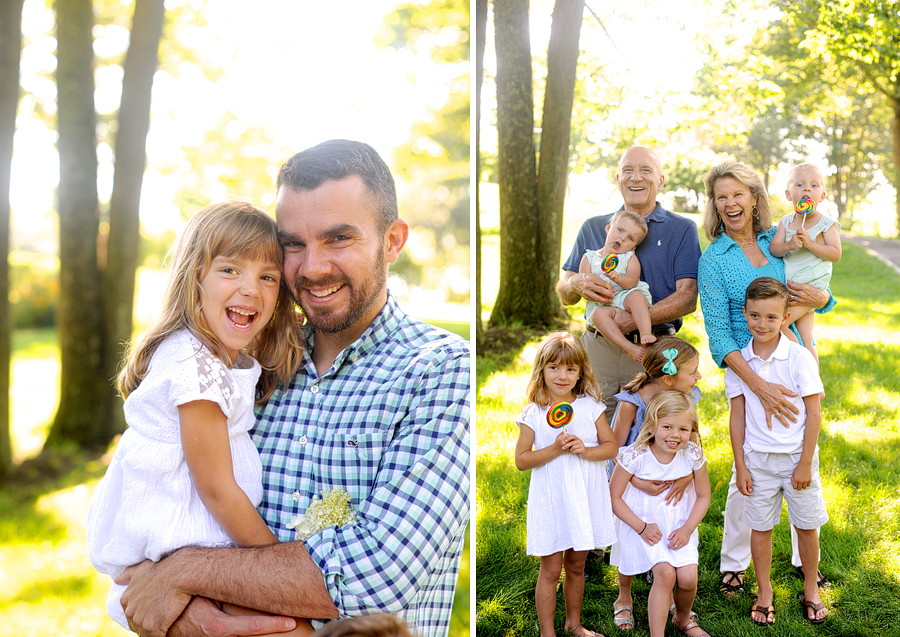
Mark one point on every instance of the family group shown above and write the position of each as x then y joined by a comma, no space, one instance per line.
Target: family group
640,484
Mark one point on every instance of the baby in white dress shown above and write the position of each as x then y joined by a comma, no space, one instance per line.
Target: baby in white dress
186,472
809,241
654,535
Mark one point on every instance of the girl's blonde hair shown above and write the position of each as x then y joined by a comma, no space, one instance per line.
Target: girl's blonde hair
670,402
762,217
564,349
231,229
654,361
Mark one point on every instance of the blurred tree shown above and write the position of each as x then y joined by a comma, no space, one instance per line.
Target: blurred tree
435,160
10,54
481,11
531,200
97,276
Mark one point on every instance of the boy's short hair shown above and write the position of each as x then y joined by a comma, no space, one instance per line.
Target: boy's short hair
765,287
637,219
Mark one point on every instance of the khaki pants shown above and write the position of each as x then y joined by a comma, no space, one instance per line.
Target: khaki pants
612,367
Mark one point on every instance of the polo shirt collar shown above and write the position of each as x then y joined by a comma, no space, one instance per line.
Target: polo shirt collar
782,350
658,215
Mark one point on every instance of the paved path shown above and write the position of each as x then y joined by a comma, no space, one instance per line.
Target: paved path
888,250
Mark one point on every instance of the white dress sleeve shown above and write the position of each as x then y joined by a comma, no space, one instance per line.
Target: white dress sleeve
695,455
629,458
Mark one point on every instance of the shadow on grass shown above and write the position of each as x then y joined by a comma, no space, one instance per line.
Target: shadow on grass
53,470
68,588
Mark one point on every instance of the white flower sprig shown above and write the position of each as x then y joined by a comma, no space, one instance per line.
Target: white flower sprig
333,508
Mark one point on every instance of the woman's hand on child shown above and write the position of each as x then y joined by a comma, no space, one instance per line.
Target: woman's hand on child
651,534
676,491
651,487
743,481
679,538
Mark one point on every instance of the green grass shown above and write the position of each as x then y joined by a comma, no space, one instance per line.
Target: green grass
47,584
859,346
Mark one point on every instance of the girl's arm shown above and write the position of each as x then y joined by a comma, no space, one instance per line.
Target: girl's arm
207,451
632,274
679,537
528,458
831,249
623,420
650,533
606,448
778,247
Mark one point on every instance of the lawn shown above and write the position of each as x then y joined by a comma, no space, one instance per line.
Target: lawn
47,584
859,346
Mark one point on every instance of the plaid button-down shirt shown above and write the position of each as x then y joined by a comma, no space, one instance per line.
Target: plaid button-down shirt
388,422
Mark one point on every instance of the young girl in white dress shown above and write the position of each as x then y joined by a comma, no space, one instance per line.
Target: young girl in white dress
809,243
654,534
569,510
186,472
669,363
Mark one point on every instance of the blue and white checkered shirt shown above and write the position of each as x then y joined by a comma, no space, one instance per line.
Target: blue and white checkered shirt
389,422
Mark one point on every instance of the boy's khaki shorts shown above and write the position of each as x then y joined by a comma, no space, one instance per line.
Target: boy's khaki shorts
771,475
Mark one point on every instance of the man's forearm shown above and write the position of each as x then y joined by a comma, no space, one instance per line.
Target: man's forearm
681,302
567,293
280,579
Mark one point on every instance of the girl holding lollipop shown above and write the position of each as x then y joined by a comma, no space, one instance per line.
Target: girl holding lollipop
564,439
809,241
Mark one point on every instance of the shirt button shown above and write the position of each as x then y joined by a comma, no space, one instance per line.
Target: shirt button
296,496
314,389
354,357
303,440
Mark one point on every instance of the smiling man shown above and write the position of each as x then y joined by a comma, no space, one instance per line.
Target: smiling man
379,408
668,254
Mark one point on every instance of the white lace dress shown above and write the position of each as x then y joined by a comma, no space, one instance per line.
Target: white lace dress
146,504
568,497
631,554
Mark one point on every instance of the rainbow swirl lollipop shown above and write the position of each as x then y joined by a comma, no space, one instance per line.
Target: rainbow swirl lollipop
805,206
560,414
609,263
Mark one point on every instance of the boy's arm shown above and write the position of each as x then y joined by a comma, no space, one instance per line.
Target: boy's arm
831,249
632,274
736,424
802,476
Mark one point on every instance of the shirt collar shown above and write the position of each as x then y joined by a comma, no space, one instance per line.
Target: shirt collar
658,215
385,324
782,350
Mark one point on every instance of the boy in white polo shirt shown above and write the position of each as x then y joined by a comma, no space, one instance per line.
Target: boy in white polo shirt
784,461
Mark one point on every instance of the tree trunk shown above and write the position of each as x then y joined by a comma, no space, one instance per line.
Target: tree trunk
518,297
481,10
553,170
10,54
124,205
895,130
84,406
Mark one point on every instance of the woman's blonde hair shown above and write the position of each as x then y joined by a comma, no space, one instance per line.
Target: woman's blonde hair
667,403
564,349
654,360
231,229
712,222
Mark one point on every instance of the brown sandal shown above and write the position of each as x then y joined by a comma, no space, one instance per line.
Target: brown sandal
816,607
691,624
763,610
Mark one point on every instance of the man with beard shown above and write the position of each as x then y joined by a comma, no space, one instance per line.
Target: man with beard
379,408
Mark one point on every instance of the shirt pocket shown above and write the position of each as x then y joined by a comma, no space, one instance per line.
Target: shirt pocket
358,458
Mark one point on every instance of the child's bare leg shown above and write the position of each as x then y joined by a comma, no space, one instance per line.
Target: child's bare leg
805,326
808,547
685,592
302,630
602,318
545,592
761,552
658,600
573,590
636,303
625,599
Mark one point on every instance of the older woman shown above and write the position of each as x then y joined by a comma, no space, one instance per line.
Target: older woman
738,222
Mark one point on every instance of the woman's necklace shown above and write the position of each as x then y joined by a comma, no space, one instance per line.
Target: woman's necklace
745,244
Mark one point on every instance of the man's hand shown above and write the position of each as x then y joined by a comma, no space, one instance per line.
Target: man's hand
593,287
150,602
204,617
